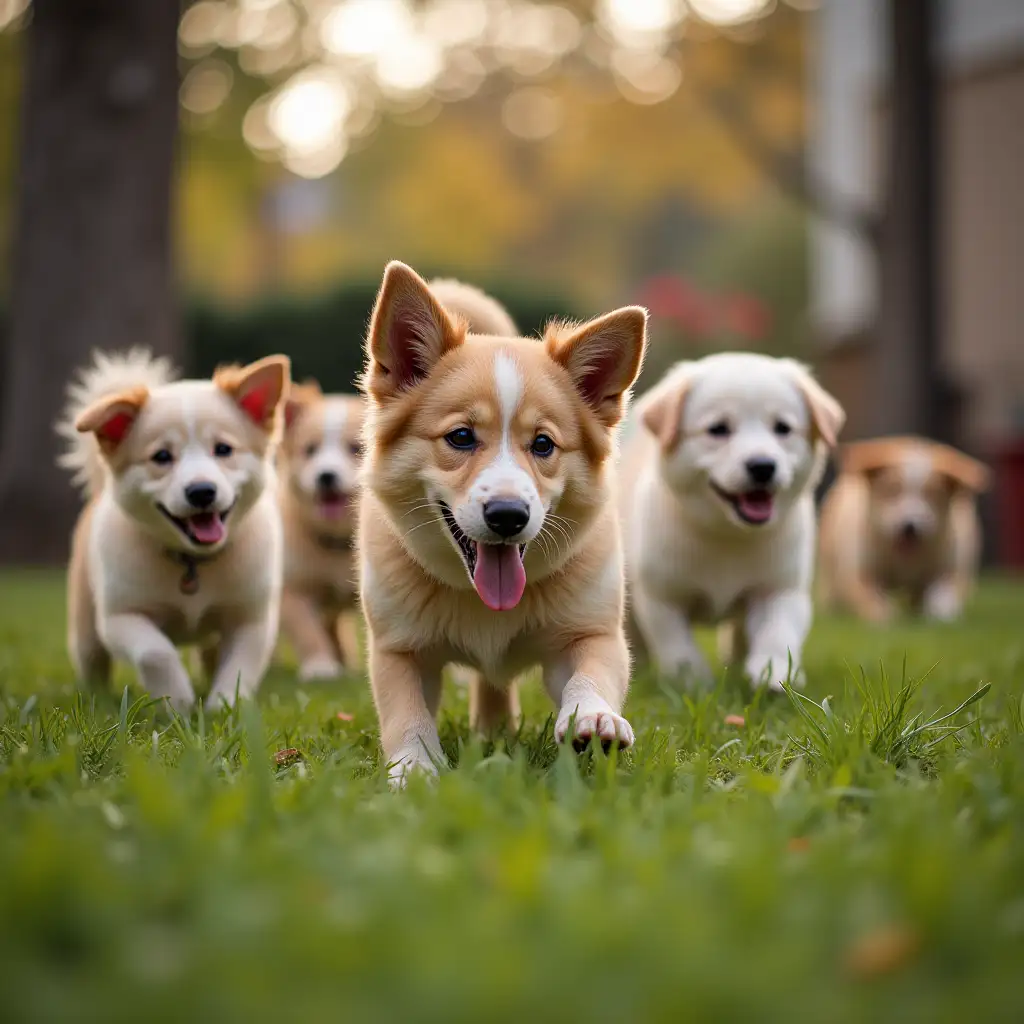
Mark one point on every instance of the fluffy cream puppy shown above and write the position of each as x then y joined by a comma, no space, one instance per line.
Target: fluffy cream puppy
718,510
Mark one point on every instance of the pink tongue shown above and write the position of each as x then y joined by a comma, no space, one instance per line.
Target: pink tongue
207,527
756,506
500,578
333,507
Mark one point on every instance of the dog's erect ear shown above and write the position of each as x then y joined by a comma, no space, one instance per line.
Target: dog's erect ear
603,358
258,389
827,414
409,332
961,469
300,397
111,418
661,409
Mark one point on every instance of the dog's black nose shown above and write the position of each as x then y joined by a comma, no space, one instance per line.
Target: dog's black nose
506,516
909,531
201,495
761,471
327,481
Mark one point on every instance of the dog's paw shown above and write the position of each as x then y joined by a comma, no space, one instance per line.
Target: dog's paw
774,672
590,719
407,762
942,602
691,672
320,667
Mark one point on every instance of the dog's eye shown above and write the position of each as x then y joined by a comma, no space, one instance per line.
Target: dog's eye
720,429
355,449
542,446
462,438
311,450
782,429
163,457
222,450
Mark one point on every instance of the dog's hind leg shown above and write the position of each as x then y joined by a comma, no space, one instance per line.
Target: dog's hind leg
493,708
89,656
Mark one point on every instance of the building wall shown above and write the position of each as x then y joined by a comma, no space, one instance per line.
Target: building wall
982,49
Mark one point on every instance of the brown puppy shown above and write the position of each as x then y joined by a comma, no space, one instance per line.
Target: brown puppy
488,532
320,458
901,518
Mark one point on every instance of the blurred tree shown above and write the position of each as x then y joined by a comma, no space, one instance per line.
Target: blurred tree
91,264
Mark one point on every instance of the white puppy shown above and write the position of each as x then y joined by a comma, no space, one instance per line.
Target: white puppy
718,506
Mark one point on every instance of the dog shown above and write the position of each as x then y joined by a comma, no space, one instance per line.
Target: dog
718,512
488,532
901,520
180,538
319,461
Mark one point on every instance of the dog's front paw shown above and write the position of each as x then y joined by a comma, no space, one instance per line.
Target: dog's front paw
589,719
942,602
408,761
774,671
692,671
320,667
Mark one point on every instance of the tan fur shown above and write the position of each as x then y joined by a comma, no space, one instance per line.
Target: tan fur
318,606
886,487
426,376
483,314
126,590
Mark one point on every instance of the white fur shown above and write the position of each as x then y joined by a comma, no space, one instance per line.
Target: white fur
504,477
690,557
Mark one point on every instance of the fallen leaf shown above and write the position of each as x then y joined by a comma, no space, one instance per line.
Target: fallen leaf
880,952
738,720
288,756
345,716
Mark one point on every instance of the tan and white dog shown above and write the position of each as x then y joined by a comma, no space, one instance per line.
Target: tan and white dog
901,520
180,539
718,509
488,532
320,457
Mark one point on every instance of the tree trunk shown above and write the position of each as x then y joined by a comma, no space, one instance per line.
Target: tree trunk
912,390
91,265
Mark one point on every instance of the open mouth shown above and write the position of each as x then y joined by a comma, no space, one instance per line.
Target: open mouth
201,528
496,569
331,504
754,507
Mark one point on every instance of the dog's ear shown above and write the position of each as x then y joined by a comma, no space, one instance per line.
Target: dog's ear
111,418
300,396
603,357
258,389
827,414
960,469
867,458
409,332
661,409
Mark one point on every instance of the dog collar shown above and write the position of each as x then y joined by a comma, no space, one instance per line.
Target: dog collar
329,543
189,582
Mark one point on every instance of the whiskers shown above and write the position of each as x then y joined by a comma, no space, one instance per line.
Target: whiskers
556,537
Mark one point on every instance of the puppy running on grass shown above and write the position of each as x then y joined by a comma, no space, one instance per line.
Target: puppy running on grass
902,521
488,532
719,511
320,458
180,538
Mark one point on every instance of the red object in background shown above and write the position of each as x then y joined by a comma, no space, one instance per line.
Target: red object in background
674,298
1008,463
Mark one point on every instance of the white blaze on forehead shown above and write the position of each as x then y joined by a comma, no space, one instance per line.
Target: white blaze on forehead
335,415
509,384
917,468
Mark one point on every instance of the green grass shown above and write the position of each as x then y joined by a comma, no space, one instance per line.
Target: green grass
844,860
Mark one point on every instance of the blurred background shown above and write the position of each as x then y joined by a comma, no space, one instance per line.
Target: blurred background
833,179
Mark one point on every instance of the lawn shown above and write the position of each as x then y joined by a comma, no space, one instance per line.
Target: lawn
849,862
